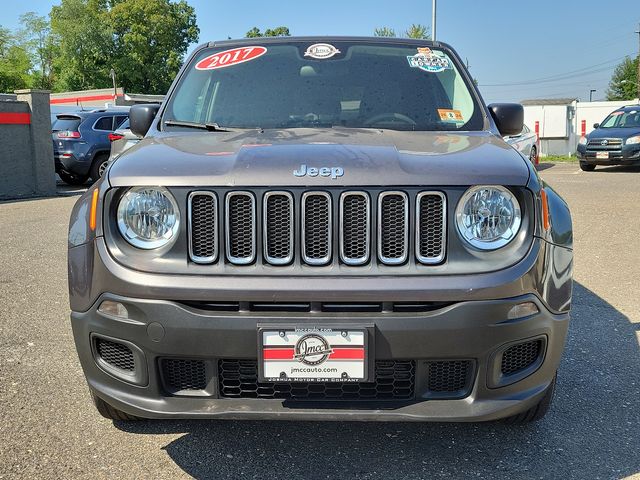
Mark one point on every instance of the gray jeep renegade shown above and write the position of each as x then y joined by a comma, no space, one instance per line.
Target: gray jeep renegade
321,228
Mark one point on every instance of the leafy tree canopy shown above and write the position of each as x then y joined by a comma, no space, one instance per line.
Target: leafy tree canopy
414,31
15,63
624,81
275,32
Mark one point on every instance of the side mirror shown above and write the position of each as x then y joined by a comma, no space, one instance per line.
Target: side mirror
141,117
509,118
596,125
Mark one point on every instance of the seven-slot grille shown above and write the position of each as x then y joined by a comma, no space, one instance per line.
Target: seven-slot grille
308,220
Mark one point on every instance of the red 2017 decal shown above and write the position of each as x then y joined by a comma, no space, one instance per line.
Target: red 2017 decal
230,57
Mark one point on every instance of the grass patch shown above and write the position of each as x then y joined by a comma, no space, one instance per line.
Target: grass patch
559,159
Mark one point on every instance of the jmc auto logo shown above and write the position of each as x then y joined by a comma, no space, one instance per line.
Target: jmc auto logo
312,349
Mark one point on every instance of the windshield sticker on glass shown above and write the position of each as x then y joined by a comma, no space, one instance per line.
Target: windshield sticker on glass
615,114
229,58
433,61
447,115
321,51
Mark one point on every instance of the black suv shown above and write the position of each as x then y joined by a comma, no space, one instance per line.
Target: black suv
615,141
81,143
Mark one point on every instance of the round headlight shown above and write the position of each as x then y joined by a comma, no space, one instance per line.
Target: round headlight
488,217
148,217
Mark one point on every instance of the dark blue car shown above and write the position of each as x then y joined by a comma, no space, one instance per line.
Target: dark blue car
82,143
615,141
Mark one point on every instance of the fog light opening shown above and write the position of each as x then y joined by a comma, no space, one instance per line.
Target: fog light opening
115,309
522,310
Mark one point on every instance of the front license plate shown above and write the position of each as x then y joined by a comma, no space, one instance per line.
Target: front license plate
602,155
313,354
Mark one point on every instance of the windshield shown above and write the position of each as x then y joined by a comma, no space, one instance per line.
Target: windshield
622,119
342,84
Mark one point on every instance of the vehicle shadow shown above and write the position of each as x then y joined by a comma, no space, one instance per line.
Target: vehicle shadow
617,169
591,431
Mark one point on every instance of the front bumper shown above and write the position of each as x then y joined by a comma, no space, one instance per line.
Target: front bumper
473,330
627,155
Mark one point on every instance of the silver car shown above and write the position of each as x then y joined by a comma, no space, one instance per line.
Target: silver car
122,140
527,143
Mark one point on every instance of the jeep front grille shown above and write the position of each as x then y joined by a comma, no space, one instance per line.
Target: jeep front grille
272,226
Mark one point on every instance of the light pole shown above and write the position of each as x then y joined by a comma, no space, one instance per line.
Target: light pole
591,94
433,21
112,74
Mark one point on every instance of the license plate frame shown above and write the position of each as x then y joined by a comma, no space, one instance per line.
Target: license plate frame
294,332
602,155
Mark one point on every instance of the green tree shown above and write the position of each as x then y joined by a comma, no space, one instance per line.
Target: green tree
42,46
384,32
624,81
86,44
15,63
275,32
418,31
414,31
150,40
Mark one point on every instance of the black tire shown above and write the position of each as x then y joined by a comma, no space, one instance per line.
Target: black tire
72,179
536,412
533,155
107,411
587,167
97,167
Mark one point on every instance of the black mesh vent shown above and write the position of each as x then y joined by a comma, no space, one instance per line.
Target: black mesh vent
393,228
241,225
431,228
181,374
203,227
520,356
279,228
449,376
394,380
115,354
317,229
355,228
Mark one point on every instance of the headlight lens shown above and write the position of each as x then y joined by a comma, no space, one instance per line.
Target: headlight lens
633,140
583,141
148,217
488,217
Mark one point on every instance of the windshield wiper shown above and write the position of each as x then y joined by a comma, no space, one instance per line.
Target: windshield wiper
210,127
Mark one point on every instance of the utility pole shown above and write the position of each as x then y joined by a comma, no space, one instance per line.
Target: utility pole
433,21
591,94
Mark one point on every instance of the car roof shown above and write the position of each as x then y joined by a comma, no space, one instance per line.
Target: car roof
87,113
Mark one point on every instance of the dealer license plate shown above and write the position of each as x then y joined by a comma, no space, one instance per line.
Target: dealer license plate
602,155
313,354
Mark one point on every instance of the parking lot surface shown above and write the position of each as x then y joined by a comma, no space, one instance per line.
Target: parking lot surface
51,430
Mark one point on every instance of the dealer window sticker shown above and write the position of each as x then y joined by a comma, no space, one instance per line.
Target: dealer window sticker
231,57
450,115
432,61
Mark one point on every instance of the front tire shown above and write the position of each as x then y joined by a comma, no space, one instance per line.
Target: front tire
72,179
587,167
107,411
538,411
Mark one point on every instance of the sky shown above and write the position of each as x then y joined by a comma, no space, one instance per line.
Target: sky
515,49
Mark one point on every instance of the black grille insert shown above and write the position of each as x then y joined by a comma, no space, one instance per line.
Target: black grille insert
394,380
278,227
393,227
241,227
316,220
521,356
354,228
450,377
431,227
203,212
183,374
115,354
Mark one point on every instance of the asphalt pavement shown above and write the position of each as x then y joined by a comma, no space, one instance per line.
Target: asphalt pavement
50,429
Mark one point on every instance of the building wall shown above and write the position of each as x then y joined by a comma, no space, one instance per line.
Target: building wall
27,167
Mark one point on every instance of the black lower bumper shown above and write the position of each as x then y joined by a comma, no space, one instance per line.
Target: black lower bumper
476,331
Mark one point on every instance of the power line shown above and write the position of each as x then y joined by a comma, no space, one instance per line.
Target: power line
560,76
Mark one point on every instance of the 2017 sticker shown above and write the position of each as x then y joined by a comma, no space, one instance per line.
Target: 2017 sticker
231,57
447,115
433,61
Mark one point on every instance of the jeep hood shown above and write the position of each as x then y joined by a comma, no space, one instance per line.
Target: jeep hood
367,157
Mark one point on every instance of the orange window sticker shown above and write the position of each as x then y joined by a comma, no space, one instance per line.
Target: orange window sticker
447,115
